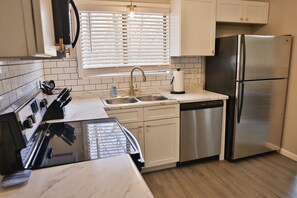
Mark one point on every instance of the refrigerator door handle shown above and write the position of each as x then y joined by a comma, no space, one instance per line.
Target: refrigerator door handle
240,102
243,57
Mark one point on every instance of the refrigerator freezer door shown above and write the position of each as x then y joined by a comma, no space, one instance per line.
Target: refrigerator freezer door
260,127
267,57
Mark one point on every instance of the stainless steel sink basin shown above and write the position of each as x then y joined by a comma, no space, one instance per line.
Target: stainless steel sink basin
152,98
120,100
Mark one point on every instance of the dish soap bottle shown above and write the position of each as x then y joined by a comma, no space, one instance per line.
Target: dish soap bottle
113,91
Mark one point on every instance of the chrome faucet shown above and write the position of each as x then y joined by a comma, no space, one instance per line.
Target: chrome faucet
132,91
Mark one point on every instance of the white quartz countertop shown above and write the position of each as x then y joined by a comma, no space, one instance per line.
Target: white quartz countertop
109,177
189,96
196,96
83,109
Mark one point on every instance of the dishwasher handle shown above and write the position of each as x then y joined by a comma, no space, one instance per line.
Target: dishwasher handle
201,105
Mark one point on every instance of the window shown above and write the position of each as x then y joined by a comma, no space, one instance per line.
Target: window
114,40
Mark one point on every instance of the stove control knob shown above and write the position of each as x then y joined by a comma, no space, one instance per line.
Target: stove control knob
28,123
43,102
32,117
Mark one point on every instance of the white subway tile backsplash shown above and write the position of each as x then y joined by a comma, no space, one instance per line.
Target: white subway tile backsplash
74,76
118,79
67,71
70,70
193,81
107,79
161,77
89,87
14,83
77,88
101,86
12,96
1,88
6,85
184,60
60,83
189,66
4,100
165,83
51,77
83,81
95,80
50,64
155,83
124,85
73,63
70,82
47,71
64,76
57,70
17,78
63,64
151,77
145,84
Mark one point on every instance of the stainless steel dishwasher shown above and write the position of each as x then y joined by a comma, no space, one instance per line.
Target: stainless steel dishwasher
201,127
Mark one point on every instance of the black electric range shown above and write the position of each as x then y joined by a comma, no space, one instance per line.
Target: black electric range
29,141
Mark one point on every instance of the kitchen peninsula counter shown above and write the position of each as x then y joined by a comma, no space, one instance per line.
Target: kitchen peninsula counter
108,177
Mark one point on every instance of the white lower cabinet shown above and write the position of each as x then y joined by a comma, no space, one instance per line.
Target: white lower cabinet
156,129
137,130
161,142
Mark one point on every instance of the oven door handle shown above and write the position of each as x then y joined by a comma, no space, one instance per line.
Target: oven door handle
135,143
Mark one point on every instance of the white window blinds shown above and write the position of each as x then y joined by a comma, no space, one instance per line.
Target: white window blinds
115,40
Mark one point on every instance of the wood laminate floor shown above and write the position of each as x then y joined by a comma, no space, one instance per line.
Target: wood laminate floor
270,176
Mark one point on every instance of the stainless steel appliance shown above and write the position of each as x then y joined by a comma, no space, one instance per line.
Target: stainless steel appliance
201,129
252,70
27,141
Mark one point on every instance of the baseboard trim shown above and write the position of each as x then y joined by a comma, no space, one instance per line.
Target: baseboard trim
288,154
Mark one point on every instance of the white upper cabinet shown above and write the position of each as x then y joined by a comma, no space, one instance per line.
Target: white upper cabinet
27,29
242,11
192,27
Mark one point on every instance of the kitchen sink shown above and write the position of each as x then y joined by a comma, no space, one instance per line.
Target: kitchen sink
129,100
120,100
152,98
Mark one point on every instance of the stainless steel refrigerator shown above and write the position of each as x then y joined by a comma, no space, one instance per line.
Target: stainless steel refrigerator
253,71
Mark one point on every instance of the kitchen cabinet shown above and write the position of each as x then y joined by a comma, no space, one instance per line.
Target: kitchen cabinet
138,131
192,27
156,129
161,142
242,11
27,29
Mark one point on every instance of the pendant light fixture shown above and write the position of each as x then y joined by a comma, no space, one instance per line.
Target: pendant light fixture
131,9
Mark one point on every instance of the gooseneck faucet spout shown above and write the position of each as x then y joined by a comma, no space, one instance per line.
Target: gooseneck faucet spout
132,91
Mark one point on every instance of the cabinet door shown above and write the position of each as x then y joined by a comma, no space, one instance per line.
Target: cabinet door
256,12
198,27
161,142
137,130
230,11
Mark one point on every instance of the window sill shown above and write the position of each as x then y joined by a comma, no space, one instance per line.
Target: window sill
124,74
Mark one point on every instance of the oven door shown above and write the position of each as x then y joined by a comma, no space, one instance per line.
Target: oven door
87,140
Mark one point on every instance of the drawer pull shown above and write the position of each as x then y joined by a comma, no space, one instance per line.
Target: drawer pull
148,126
140,127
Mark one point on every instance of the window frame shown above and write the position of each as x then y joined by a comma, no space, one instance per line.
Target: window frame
114,6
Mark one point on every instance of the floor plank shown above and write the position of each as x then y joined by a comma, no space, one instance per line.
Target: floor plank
271,175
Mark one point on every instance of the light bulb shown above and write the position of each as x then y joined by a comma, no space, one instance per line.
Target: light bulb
131,14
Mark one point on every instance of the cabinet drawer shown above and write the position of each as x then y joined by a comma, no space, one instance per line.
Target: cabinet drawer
127,115
161,112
